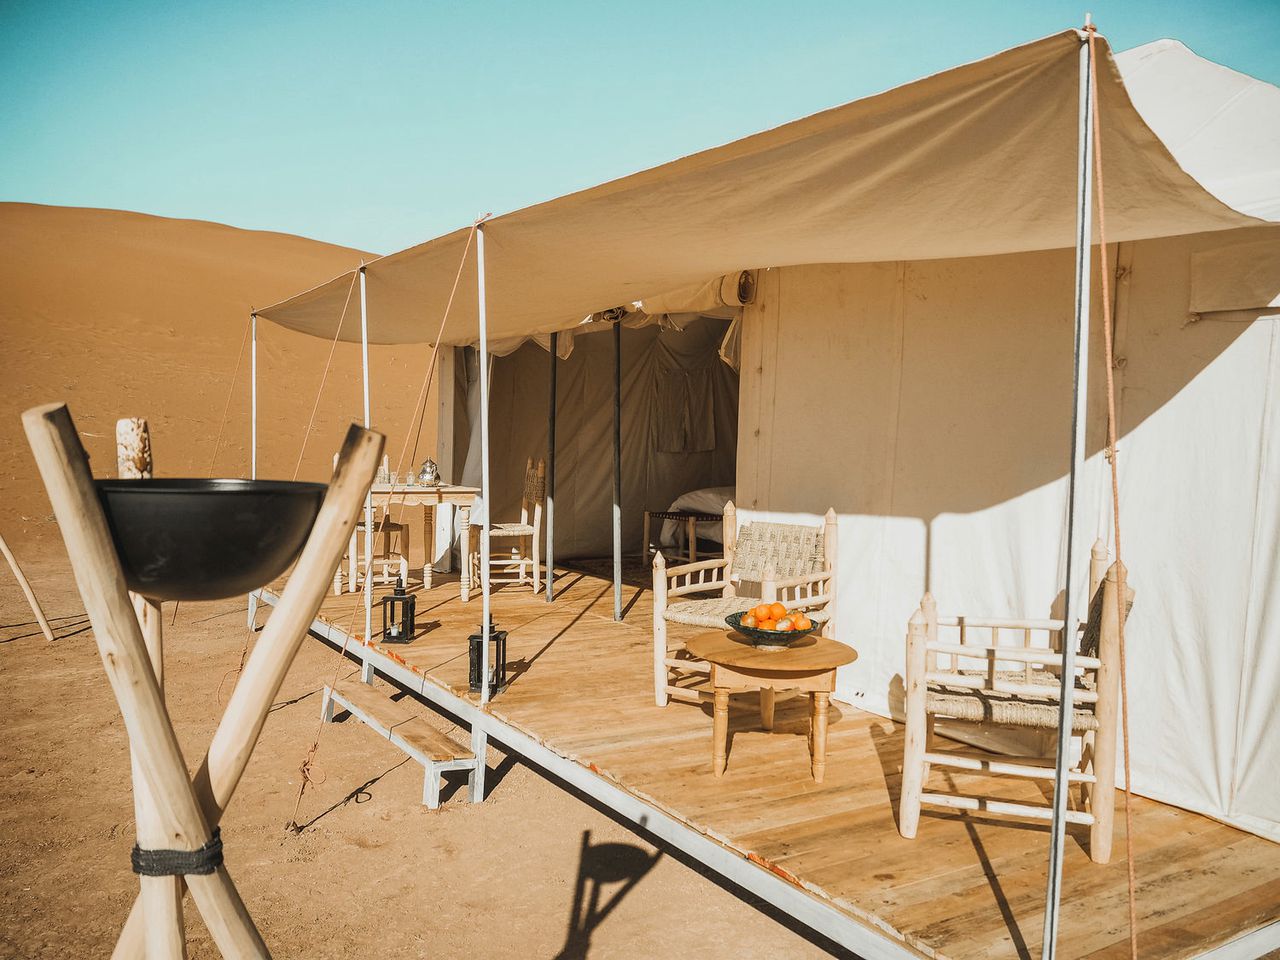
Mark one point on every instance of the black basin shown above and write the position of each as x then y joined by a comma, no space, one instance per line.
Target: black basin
207,539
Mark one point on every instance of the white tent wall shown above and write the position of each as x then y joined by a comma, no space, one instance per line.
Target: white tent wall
657,364
952,382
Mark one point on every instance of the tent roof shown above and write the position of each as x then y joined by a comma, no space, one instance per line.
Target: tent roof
977,160
1222,126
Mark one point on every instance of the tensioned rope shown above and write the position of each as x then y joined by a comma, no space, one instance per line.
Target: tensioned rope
328,363
419,411
231,389
244,650
222,426
1113,456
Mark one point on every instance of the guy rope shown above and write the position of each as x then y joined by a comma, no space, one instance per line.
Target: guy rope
305,769
1113,457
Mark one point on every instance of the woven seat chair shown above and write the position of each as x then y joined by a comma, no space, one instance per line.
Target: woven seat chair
790,563
390,550
1015,685
520,563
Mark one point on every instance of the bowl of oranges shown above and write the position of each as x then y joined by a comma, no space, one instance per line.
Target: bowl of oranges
773,625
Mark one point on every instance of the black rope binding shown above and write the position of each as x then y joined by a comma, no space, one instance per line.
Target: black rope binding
179,863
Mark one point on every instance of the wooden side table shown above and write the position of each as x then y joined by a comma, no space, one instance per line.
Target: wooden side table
737,666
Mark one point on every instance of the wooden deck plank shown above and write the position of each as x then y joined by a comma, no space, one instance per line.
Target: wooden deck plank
965,887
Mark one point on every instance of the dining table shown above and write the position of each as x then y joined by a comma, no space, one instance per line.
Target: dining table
430,498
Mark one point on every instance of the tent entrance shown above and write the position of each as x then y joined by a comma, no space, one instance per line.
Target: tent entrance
679,432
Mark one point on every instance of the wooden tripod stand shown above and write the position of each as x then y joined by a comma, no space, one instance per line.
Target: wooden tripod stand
175,812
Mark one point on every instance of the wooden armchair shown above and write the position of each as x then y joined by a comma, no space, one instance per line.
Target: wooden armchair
1015,684
790,563
522,562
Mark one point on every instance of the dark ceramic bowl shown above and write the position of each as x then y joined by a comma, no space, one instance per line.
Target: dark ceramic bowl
207,539
769,638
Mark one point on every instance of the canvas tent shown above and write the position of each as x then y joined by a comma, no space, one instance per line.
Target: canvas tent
915,263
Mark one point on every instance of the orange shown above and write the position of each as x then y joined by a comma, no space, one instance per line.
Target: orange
763,612
804,623
785,624
748,620
768,625
777,611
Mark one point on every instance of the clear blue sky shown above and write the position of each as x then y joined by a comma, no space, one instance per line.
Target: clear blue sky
380,124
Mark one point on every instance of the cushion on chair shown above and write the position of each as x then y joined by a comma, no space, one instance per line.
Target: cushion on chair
1013,709
706,613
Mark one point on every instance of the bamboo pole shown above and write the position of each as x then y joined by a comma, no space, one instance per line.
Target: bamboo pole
29,593
64,467
269,661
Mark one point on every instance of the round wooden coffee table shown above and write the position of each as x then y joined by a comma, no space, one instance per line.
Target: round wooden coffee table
737,666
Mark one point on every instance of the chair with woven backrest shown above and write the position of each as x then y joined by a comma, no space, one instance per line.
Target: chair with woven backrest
793,564
979,680
520,563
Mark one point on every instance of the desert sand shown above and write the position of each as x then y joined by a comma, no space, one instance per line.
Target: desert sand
123,314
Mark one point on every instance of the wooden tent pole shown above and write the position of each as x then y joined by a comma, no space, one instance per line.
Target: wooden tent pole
1080,397
64,467
551,471
30,594
269,661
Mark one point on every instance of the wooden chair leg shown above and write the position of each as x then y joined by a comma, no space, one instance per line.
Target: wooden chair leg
537,571
660,631
913,765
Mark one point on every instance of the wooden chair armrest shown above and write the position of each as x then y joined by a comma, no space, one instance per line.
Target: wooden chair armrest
1014,623
685,568
804,579
980,651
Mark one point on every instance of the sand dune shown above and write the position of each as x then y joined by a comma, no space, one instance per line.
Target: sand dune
124,314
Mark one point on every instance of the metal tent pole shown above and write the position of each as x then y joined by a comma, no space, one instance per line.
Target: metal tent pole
479,738
617,471
1080,395
551,473
368,500
253,397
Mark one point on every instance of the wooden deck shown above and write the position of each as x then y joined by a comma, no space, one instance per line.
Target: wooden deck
965,887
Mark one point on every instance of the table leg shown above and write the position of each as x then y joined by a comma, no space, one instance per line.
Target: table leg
693,540
464,544
720,732
767,695
428,544
819,704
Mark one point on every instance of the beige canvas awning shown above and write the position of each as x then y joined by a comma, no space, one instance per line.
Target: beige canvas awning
977,160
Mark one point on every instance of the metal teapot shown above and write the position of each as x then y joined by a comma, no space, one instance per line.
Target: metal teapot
429,475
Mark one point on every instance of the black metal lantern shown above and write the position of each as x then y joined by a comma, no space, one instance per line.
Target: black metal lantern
397,615
497,655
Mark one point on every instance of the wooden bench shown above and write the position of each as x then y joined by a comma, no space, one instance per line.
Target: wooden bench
406,728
